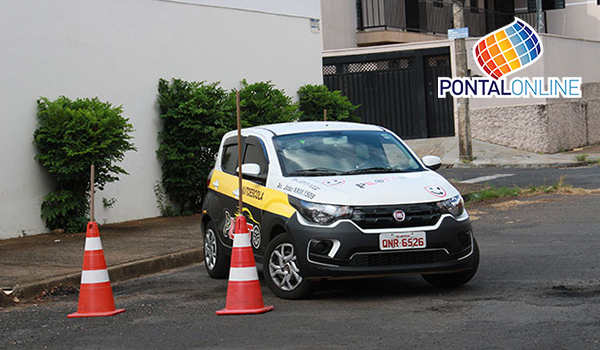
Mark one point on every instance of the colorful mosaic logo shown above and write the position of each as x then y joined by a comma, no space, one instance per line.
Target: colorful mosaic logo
508,49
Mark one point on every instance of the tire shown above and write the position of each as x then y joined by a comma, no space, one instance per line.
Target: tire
281,270
216,260
451,280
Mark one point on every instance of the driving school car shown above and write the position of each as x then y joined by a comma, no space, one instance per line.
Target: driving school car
326,200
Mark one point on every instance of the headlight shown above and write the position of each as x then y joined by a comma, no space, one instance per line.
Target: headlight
321,214
454,206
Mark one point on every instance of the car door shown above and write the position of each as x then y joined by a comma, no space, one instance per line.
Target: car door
254,188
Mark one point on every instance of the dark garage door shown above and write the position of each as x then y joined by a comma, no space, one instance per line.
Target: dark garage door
396,90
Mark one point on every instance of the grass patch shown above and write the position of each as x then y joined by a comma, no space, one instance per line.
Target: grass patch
494,193
505,192
581,158
585,159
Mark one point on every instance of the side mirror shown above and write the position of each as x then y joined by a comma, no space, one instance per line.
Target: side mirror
250,169
432,162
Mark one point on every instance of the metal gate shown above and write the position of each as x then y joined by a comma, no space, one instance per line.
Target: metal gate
397,90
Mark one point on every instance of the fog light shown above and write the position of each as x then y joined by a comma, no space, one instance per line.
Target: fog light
321,247
465,238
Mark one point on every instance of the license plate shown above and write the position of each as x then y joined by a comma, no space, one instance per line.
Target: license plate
400,241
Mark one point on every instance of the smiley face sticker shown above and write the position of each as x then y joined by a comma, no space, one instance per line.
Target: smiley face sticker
437,191
333,182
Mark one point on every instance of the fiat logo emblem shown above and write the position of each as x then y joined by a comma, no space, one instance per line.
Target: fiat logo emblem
399,215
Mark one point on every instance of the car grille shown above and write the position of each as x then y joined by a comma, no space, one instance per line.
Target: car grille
421,214
398,258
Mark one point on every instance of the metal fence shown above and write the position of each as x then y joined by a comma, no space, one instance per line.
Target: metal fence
429,16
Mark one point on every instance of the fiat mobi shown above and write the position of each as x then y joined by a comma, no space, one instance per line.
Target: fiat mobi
328,200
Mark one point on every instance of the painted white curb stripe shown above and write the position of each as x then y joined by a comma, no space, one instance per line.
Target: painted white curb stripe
485,178
94,276
93,243
241,240
241,274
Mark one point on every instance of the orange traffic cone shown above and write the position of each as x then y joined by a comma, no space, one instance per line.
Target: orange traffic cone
243,291
95,294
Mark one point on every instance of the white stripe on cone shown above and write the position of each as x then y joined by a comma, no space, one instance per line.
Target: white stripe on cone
242,274
94,276
241,240
93,243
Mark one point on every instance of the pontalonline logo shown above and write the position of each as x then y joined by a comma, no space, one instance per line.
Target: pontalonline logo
504,52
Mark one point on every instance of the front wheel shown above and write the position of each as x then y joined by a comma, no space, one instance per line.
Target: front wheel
281,270
215,259
449,280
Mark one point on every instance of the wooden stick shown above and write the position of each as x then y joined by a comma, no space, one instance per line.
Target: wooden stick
324,115
92,180
239,127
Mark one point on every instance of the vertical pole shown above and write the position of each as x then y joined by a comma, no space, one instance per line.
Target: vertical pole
539,11
92,183
239,129
325,115
465,149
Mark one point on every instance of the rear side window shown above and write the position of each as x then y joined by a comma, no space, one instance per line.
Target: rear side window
229,162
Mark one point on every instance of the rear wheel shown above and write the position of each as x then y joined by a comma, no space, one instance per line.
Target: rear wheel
281,270
215,259
449,280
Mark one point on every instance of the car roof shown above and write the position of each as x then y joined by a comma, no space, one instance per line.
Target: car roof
302,127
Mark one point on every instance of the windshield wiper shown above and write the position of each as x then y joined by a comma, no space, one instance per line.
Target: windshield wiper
316,171
373,170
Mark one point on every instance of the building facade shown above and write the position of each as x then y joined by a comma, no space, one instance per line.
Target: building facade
117,50
367,28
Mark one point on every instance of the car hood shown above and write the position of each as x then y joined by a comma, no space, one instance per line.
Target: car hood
368,189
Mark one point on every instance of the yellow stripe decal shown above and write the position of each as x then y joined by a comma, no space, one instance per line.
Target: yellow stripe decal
267,199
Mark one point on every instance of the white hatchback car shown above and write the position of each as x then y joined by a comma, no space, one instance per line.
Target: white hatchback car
328,200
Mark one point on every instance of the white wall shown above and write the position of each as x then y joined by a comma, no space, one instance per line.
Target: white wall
579,19
339,24
117,50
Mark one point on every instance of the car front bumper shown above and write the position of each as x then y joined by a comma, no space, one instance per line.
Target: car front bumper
344,250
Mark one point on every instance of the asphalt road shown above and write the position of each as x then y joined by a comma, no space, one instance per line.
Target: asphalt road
538,287
583,177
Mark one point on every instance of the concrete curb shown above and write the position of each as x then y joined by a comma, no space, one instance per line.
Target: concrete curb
515,165
121,272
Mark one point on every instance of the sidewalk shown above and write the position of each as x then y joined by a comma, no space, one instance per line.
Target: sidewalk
490,155
31,265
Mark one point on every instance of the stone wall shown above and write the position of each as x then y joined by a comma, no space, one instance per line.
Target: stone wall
556,126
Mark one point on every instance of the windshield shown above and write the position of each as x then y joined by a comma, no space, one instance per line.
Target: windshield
343,153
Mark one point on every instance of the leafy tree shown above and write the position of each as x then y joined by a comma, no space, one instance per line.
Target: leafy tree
195,117
71,136
314,99
261,103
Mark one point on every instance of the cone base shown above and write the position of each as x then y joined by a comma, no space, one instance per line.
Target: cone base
95,314
244,311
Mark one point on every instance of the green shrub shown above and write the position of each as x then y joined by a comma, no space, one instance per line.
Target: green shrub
195,116
71,136
261,103
316,98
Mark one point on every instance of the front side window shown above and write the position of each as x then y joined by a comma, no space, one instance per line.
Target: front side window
256,155
343,153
